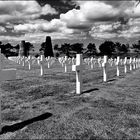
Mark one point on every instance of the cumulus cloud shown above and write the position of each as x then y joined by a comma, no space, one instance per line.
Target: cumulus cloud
104,35
40,25
104,31
133,30
23,10
133,11
40,37
2,29
47,9
97,19
102,28
98,11
55,28
89,12
102,18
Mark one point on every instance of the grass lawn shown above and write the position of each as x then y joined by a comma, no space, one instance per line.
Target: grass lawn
47,107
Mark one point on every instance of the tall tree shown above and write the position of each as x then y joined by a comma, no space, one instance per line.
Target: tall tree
25,48
107,48
46,47
28,47
22,48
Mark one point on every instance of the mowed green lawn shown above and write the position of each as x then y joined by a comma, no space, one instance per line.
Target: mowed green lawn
47,107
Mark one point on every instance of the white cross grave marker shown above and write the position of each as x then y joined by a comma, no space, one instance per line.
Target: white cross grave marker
65,61
38,60
48,59
117,63
29,60
138,62
125,65
99,62
78,68
130,62
92,61
42,65
104,65
19,55
73,60
23,61
134,62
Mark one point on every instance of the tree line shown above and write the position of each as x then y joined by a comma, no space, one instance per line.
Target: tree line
109,48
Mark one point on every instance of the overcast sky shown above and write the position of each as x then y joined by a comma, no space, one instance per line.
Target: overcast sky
69,20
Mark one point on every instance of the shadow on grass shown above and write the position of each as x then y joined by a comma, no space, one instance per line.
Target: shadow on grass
122,76
90,90
108,81
111,80
18,126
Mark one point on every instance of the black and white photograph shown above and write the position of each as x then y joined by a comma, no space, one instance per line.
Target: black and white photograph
69,69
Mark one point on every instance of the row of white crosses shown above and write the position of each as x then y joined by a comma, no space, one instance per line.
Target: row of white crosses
79,67
23,60
64,61
42,60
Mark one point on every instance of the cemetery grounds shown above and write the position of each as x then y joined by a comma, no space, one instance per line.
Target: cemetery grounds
47,107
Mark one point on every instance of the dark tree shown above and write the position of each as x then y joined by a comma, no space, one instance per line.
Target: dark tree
42,49
91,49
26,47
15,50
17,47
121,49
57,54
56,47
117,47
125,48
7,49
107,48
77,47
136,47
36,55
46,47
22,48
65,49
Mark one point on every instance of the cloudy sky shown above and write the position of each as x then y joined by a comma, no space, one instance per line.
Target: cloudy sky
68,20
